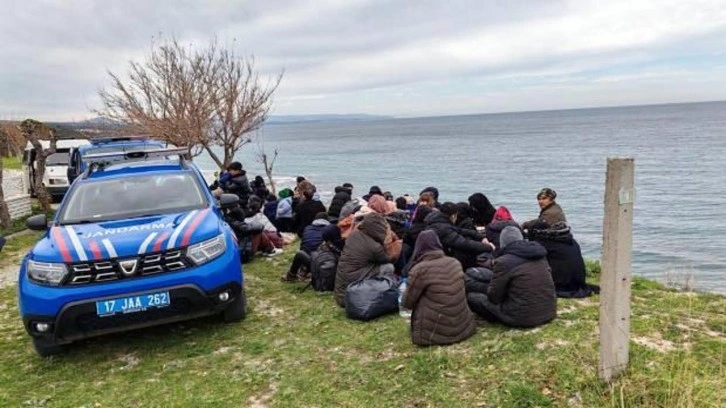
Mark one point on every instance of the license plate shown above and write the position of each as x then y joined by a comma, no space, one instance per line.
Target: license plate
132,304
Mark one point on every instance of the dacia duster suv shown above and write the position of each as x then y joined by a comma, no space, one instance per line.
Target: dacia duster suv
138,241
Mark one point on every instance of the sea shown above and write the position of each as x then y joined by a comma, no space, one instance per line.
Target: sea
679,231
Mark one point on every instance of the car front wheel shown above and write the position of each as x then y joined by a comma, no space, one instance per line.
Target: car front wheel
46,348
237,310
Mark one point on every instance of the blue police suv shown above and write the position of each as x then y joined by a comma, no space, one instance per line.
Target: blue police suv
137,241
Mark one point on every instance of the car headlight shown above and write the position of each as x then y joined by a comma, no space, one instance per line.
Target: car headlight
206,251
48,273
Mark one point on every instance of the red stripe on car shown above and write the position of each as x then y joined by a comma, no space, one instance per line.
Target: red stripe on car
193,225
160,240
96,250
58,236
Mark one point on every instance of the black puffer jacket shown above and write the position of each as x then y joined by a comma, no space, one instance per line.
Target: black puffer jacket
460,245
521,293
305,214
565,260
362,255
339,199
494,230
240,186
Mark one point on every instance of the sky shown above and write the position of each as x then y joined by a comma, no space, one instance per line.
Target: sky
398,58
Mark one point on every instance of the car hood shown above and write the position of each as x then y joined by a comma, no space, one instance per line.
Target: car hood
126,238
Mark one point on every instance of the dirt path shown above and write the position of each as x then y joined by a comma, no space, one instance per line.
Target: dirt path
10,262
9,271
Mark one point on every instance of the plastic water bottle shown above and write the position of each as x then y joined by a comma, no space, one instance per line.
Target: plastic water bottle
403,312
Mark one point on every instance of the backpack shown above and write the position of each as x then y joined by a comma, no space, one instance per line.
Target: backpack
323,264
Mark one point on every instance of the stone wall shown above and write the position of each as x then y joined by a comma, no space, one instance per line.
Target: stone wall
14,189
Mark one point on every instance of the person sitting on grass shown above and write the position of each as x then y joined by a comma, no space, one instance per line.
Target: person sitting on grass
521,292
436,295
363,255
255,216
550,211
502,219
464,245
235,183
284,211
565,259
309,206
482,210
311,240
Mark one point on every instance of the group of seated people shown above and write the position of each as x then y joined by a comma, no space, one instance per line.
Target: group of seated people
456,257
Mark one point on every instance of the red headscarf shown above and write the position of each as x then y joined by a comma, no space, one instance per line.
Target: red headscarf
502,214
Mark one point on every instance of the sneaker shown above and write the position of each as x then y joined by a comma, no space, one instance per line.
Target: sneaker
273,252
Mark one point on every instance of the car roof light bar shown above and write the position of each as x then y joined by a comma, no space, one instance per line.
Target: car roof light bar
99,161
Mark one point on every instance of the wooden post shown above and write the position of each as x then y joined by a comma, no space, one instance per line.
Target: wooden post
615,278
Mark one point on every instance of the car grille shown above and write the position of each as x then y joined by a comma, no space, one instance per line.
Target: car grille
115,269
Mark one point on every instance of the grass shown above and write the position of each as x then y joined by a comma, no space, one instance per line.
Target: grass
18,224
298,349
12,162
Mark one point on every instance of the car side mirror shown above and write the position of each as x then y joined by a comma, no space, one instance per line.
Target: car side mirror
228,201
37,222
71,174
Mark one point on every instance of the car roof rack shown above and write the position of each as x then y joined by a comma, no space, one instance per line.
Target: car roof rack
99,161
105,140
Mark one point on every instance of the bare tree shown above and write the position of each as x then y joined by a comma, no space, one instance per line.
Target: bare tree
33,131
13,141
202,98
242,107
4,211
269,163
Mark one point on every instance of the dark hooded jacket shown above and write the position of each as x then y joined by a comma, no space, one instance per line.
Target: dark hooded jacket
313,236
565,259
457,243
494,230
258,187
521,293
436,295
339,199
482,211
305,214
238,185
362,255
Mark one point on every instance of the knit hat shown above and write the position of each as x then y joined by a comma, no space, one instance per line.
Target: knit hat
547,192
510,234
284,193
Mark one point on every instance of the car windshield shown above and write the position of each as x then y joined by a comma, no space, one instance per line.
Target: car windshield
132,196
57,159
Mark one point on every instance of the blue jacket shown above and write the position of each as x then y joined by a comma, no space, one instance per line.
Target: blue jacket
313,236
270,210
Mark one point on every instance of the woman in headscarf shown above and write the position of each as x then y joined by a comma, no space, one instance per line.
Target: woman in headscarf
482,211
436,296
363,255
463,217
550,212
502,219
393,243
